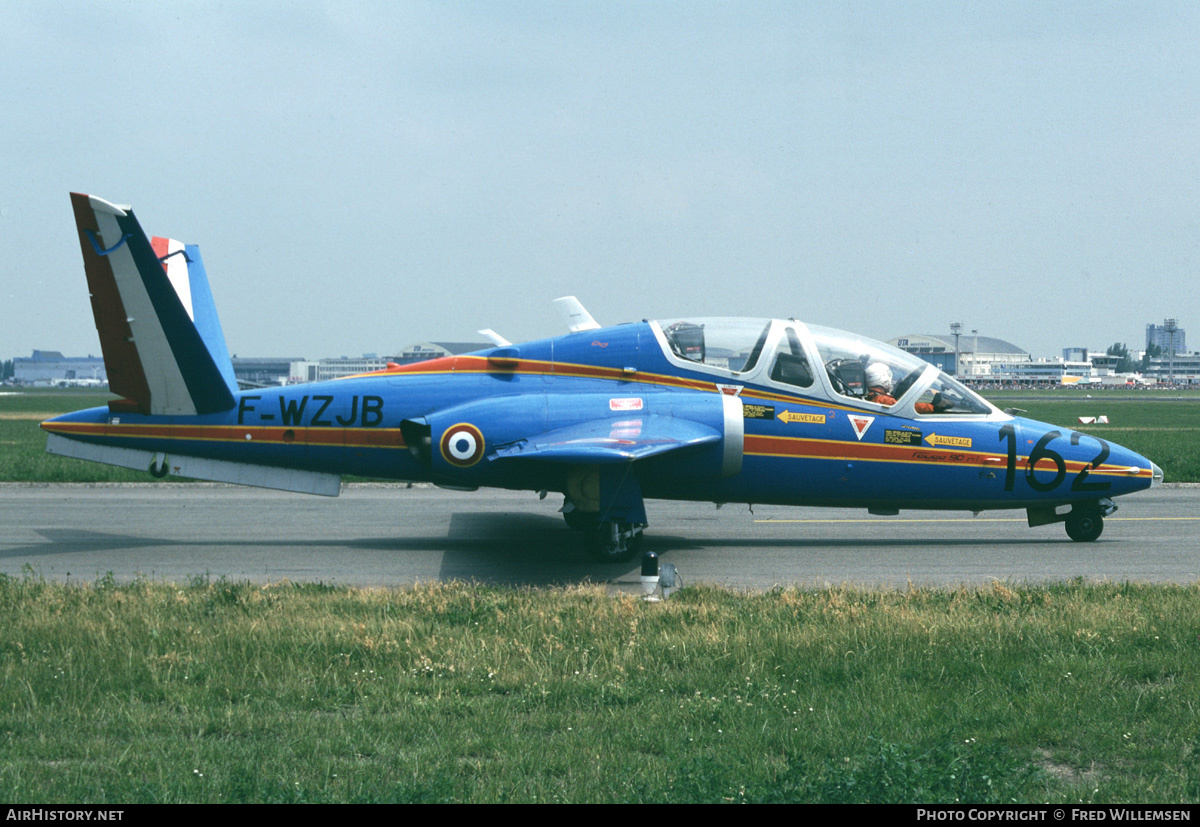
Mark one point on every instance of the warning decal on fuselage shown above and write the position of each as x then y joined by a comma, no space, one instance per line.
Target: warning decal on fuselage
860,424
757,411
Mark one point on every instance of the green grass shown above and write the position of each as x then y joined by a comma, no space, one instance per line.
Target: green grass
23,456
229,692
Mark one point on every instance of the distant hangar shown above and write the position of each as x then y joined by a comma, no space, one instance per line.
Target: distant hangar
978,357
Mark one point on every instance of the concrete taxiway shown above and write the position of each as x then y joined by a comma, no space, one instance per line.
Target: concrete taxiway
394,536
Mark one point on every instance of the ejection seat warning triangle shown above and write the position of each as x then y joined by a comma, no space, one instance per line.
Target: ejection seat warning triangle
860,424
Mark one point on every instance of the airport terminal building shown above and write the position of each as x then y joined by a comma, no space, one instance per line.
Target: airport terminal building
988,361
1183,369
50,368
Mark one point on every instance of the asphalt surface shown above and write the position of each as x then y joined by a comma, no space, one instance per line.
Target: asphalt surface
395,536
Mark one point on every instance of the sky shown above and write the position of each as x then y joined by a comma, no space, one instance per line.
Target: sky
363,176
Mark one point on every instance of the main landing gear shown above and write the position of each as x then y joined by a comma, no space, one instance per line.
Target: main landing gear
606,541
615,542
604,504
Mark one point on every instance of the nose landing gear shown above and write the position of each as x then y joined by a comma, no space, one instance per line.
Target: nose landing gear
1084,522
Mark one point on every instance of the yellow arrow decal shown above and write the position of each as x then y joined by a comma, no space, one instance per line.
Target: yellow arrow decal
789,416
950,441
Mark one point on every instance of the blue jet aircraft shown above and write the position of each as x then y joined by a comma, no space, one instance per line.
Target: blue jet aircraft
707,409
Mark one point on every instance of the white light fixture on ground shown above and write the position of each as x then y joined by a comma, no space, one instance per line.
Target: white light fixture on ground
650,577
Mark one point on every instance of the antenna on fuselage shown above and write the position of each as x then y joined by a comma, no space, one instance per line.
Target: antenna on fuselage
575,315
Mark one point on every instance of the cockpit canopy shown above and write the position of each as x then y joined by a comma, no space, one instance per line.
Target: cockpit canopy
825,362
731,344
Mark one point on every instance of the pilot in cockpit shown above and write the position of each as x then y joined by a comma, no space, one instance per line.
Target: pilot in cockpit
878,379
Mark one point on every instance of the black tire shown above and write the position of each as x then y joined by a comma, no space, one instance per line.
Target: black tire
1084,526
603,548
581,520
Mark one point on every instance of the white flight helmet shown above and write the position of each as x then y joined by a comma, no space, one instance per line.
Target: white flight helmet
879,375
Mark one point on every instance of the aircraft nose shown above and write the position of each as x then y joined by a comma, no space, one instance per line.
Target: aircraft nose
1156,475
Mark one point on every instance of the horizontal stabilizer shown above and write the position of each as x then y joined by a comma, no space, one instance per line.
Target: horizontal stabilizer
495,338
610,441
162,342
216,470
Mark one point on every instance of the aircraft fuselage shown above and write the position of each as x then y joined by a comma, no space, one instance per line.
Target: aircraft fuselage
796,449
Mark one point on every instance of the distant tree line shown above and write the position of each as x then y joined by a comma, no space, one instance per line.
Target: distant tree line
6,372
1126,363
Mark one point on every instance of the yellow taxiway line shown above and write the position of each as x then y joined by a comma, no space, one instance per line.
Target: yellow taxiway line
969,520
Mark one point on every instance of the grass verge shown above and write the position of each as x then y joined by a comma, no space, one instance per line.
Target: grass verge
230,692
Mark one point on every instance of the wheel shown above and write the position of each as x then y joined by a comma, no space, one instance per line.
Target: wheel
580,520
612,542
159,467
1084,526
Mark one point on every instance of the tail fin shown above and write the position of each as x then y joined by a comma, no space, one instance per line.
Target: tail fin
162,341
185,270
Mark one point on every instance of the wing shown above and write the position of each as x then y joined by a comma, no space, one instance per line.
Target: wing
606,441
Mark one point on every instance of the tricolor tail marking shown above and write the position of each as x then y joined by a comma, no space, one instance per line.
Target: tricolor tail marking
162,342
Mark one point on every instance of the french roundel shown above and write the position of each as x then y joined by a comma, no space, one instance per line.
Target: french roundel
462,445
